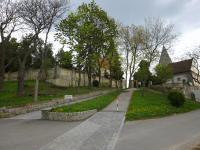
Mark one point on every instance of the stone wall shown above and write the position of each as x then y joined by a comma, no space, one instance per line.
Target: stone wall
185,89
197,95
10,112
60,77
63,116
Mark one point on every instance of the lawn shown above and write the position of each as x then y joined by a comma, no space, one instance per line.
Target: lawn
96,103
155,104
47,91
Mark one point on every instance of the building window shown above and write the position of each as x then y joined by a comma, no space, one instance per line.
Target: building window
178,79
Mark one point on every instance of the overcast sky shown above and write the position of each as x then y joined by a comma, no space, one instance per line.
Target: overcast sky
184,14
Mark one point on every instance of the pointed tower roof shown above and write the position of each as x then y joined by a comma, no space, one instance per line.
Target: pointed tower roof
165,58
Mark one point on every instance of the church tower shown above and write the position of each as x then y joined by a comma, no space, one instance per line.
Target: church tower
165,58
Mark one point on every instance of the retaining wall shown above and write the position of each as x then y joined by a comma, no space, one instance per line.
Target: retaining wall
63,116
10,112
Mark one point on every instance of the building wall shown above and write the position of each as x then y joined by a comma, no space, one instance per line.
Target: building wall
180,79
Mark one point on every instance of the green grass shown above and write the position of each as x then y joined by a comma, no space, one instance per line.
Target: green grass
96,103
47,91
155,104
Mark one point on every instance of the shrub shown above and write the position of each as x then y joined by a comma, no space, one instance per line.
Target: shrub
193,96
95,83
176,98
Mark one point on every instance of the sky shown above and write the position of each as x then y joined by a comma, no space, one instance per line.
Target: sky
184,14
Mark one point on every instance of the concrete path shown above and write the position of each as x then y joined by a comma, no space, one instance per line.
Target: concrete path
177,132
99,132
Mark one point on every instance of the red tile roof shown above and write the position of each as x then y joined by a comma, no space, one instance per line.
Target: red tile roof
181,66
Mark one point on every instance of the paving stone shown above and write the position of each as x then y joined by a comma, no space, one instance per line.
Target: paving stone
99,132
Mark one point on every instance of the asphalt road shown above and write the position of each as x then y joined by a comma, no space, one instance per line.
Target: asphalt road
25,134
169,133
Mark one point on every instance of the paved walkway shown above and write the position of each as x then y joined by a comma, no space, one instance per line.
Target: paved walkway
178,132
99,132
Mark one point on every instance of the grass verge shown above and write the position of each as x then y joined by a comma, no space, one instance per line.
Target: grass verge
155,104
47,91
96,103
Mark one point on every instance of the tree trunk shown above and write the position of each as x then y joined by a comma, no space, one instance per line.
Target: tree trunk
79,78
126,78
116,84
99,76
2,64
84,79
55,72
43,70
21,76
130,83
36,89
89,79
111,82
127,64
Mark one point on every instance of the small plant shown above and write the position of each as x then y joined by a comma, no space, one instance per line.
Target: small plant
95,83
176,98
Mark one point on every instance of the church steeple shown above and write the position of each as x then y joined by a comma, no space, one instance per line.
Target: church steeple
164,58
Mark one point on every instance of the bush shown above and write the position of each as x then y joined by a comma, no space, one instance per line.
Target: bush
95,83
176,98
193,96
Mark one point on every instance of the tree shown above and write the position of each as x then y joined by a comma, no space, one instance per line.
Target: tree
195,56
37,56
8,23
143,72
11,64
116,72
163,72
39,16
64,59
88,32
22,56
131,39
156,34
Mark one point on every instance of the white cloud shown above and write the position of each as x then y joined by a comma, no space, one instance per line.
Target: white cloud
186,42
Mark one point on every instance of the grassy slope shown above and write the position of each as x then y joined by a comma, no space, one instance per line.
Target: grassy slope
154,104
47,91
96,103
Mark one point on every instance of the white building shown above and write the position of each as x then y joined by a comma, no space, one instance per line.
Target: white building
183,71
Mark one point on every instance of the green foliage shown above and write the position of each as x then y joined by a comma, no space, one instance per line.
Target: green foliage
16,51
90,33
95,83
115,65
96,103
64,59
37,56
11,63
163,72
155,104
176,98
155,80
143,73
